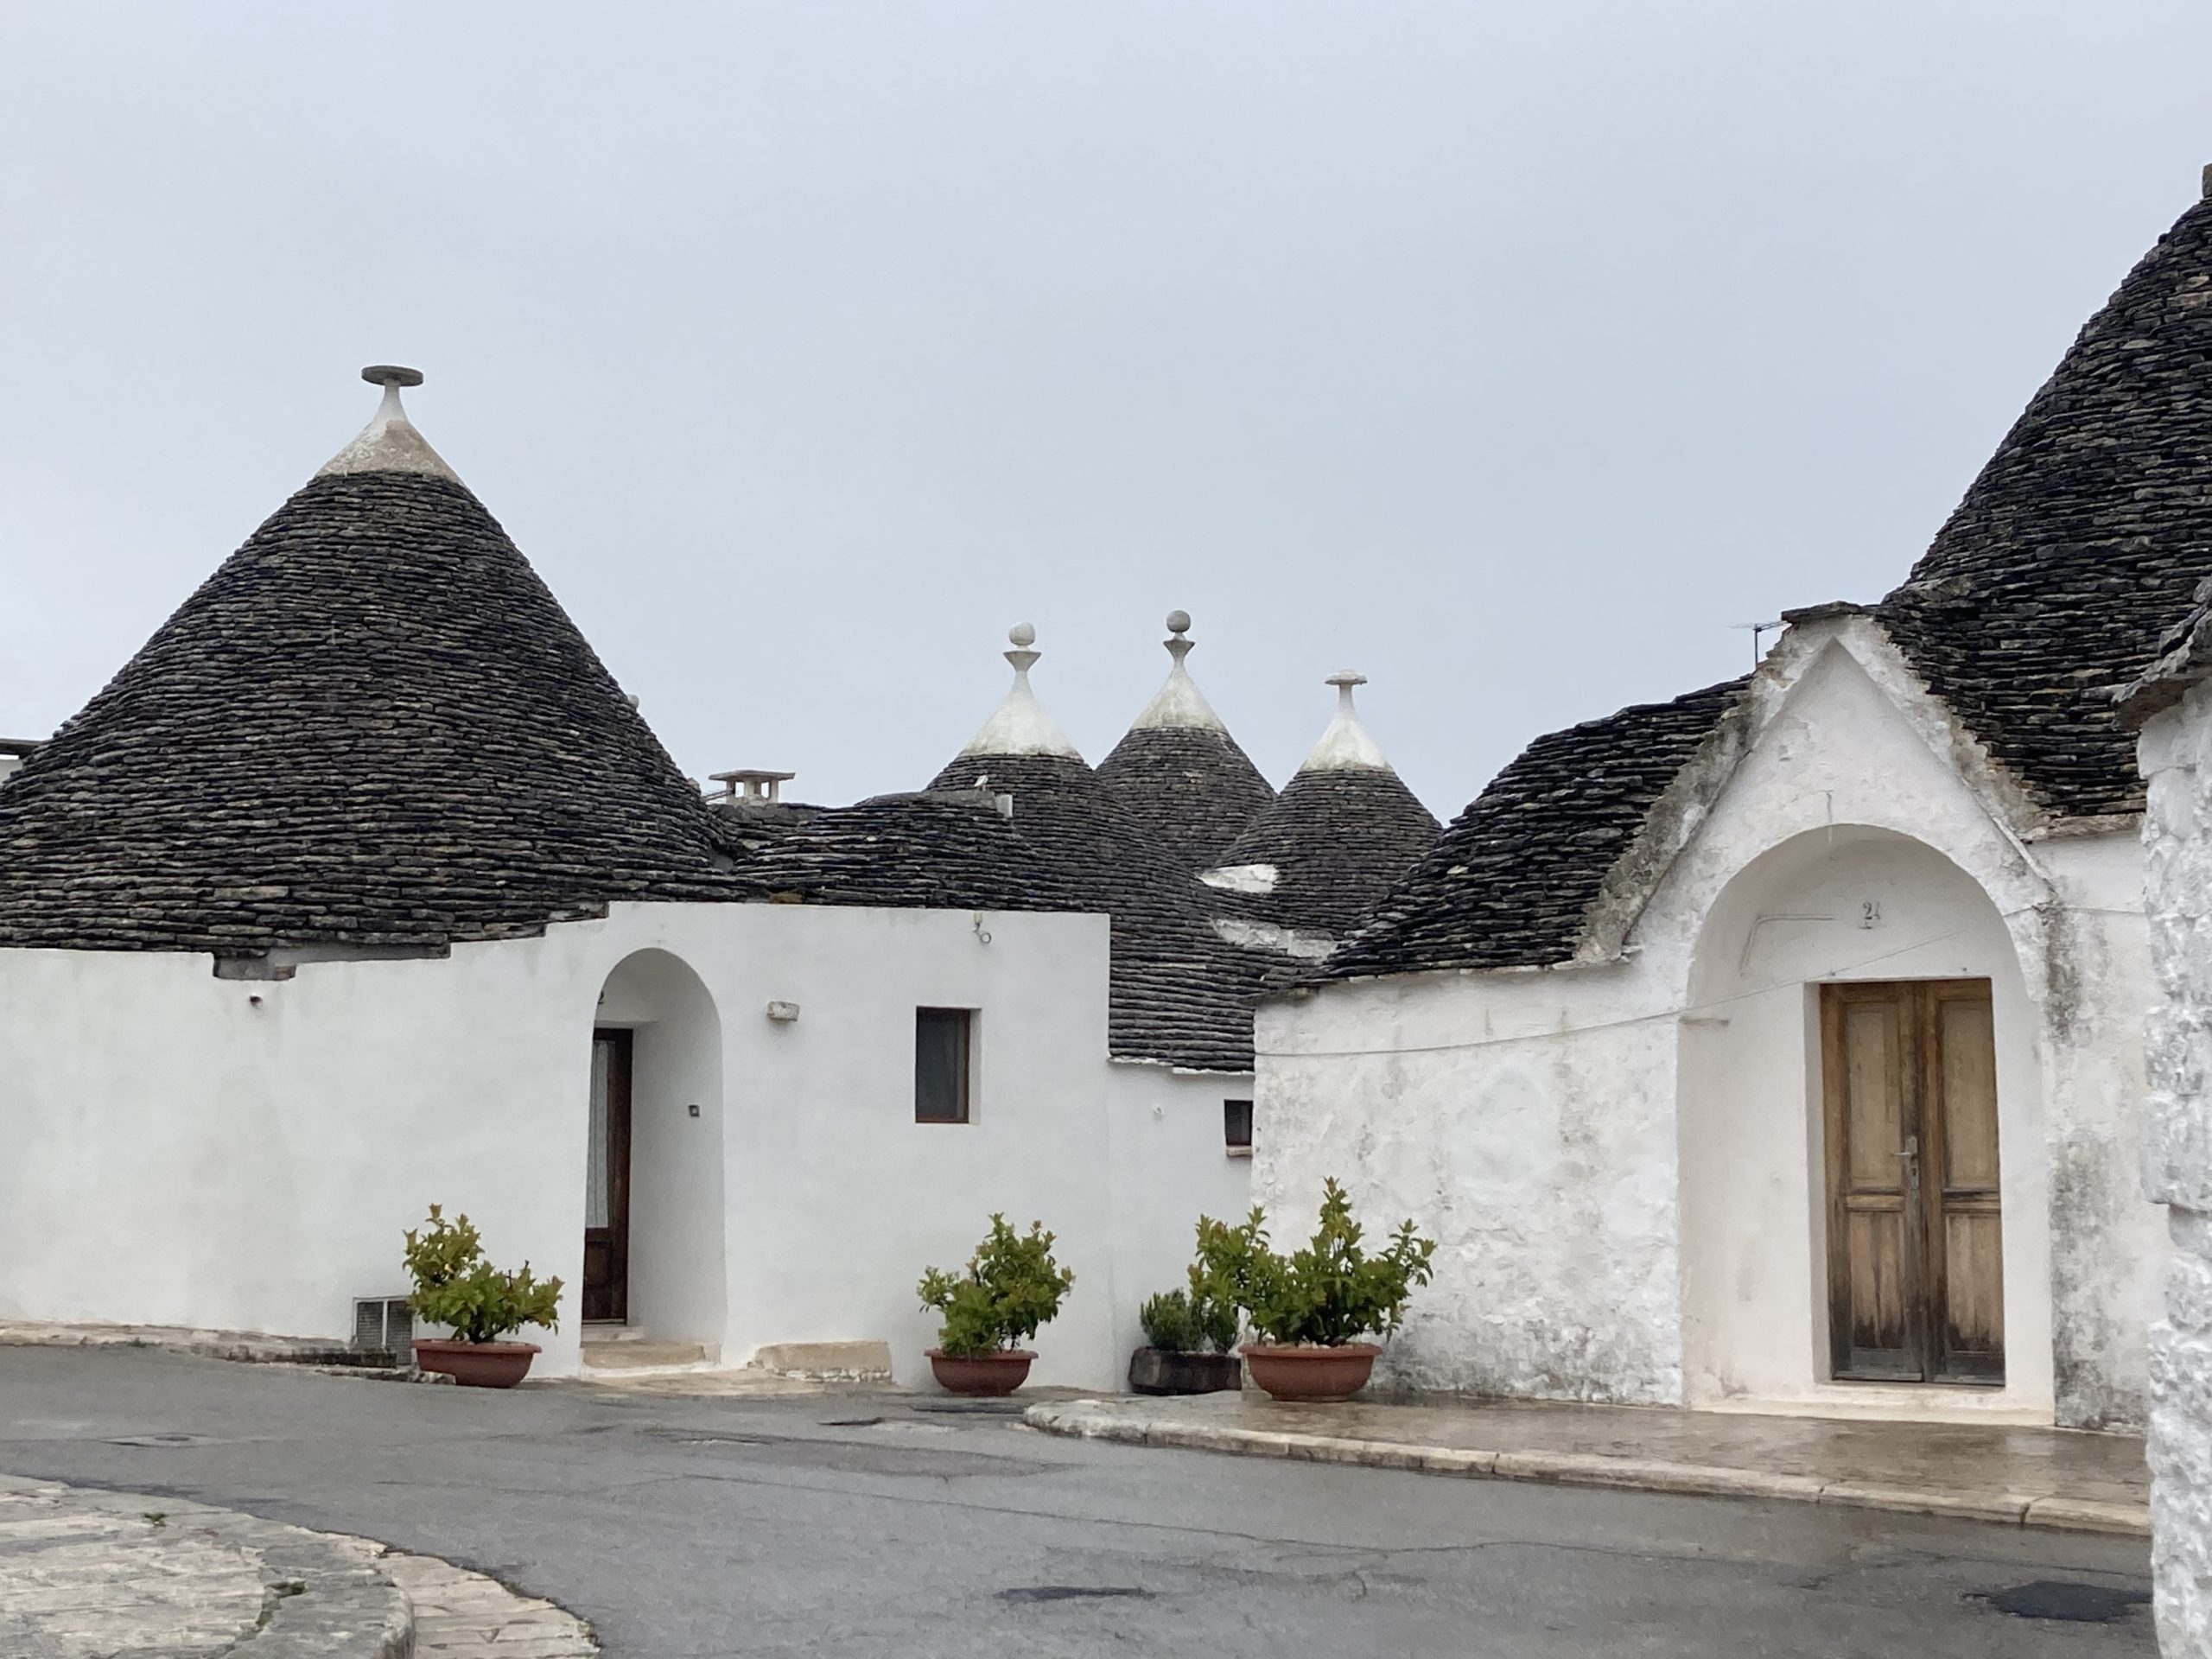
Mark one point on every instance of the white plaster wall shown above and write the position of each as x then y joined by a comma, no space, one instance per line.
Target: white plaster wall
1525,1121
838,1198
193,1151
1553,1105
186,1150
1169,1167
2177,758
2108,1249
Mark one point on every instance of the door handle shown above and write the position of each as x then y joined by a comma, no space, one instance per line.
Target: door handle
1912,1156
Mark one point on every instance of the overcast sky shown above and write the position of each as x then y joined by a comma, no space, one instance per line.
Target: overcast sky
1507,352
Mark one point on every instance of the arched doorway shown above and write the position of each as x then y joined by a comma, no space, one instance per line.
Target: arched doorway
1863,1192
654,1221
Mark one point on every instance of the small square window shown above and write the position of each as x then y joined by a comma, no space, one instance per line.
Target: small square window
943,1058
1236,1125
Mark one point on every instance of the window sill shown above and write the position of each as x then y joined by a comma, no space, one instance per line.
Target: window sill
1239,1152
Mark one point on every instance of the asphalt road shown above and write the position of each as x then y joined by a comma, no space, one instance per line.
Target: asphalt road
853,1526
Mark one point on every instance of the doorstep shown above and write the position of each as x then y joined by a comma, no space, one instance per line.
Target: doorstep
629,1351
2002,1472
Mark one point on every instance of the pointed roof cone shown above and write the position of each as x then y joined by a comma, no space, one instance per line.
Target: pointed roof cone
1344,829
2081,543
371,726
1180,774
1180,996
1019,724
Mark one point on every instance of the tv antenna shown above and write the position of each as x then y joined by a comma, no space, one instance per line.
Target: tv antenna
1758,630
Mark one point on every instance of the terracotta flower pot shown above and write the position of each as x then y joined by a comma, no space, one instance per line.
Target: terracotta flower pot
987,1375
476,1365
1159,1370
1304,1372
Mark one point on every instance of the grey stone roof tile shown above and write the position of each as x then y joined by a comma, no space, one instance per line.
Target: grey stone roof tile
1510,882
2081,543
371,726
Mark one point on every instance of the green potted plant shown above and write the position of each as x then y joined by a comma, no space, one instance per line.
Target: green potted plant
1010,1287
454,1286
1189,1337
1309,1309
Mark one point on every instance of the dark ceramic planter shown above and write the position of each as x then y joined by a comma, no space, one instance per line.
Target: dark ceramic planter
1302,1373
476,1365
1156,1371
985,1376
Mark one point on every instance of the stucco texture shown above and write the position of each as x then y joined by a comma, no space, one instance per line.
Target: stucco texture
2177,758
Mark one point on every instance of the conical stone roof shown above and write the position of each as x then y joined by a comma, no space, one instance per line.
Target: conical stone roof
1180,995
372,725
2082,542
1325,851
1180,774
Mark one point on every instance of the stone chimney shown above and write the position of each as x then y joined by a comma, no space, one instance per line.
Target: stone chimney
750,784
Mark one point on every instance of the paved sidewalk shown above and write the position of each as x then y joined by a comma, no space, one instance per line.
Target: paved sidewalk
87,1574
2023,1476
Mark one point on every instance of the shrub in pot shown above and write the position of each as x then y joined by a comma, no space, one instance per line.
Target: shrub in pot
1310,1309
1189,1336
1009,1287
455,1286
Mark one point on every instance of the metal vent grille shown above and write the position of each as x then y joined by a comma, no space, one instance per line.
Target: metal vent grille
383,1325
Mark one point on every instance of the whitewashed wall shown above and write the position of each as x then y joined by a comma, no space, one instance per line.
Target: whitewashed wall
1169,1166
186,1150
1556,1128
2177,758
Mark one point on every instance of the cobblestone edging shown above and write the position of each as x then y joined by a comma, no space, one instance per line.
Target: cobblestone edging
88,1573
1090,1420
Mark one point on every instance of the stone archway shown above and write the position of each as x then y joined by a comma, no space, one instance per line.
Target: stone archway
1868,908
657,1022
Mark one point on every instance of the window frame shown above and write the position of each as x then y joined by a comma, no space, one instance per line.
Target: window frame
1231,1145
967,1020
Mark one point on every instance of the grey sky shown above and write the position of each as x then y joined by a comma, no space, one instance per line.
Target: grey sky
1506,353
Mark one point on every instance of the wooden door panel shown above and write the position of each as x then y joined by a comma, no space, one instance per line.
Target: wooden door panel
1876,1244
1973,1281
1873,1038
1960,1180
1873,1238
1968,1087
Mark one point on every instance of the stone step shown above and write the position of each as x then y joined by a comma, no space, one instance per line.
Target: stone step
636,1354
864,1361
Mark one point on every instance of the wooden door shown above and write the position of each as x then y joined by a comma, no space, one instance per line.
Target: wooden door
606,1181
1916,1261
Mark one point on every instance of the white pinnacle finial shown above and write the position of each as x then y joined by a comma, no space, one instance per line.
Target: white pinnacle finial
1346,745
1178,624
1180,706
389,443
1020,726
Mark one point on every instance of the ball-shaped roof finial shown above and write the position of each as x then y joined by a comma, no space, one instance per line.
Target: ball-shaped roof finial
1022,635
1179,621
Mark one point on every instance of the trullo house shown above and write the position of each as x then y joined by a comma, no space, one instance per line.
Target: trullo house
364,885
1777,1047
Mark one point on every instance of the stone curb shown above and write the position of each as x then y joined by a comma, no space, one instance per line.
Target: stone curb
1084,1420
323,1596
